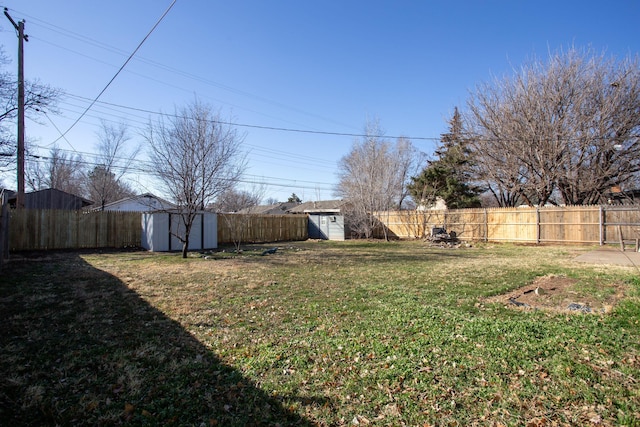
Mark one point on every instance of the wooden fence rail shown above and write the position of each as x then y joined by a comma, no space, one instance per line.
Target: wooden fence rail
570,224
32,229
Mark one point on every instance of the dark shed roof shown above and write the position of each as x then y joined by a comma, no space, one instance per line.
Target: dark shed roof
52,199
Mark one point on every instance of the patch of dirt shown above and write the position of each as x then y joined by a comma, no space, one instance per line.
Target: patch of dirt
559,294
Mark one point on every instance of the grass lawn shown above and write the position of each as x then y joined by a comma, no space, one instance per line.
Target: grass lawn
350,333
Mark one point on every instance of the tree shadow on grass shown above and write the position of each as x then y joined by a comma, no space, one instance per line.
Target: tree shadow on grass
78,347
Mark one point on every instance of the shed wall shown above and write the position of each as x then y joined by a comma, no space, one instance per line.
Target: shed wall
327,227
156,236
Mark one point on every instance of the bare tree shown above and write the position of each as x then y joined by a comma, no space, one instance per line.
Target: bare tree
104,186
38,100
409,162
105,182
239,207
233,200
570,126
59,170
373,177
196,158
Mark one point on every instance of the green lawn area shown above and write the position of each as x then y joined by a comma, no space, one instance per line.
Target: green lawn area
319,333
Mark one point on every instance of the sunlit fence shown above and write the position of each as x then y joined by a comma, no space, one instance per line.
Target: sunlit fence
570,224
58,229
31,229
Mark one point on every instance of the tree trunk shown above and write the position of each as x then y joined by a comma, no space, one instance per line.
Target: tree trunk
185,245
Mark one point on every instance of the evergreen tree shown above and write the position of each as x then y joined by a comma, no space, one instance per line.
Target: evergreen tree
294,199
449,176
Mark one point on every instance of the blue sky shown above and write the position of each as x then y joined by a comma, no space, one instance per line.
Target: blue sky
314,66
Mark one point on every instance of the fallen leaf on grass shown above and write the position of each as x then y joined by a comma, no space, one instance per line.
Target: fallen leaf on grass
392,410
537,422
128,408
128,411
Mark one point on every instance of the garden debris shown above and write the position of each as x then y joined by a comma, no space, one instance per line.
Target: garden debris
440,234
574,306
558,293
518,303
442,238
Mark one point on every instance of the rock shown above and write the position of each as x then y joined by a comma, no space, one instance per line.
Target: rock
574,306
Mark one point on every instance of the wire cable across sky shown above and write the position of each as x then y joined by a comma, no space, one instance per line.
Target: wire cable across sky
117,73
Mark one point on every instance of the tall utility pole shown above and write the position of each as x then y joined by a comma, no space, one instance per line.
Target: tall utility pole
21,37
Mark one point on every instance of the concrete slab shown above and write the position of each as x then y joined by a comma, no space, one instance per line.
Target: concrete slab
607,255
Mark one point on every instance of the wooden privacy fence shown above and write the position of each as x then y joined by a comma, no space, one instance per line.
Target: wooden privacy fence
32,229
262,228
570,224
35,229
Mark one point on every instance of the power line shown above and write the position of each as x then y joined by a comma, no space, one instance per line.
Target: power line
120,70
319,132
165,67
271,128
264,152
146,167
96,43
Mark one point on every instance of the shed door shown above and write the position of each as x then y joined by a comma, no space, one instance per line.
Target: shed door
318,227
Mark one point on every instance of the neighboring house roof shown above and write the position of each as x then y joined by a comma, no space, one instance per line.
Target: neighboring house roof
616,195
51,198
322,206
141,203
275,209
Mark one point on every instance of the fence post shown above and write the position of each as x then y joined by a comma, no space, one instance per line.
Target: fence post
538,225
4,228
486,225
601,220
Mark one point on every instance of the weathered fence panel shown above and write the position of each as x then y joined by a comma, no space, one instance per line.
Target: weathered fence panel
35,229
623,220
571,224
250,228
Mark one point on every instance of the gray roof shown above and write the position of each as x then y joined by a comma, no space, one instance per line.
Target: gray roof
275,209
140,197
51,198
321,206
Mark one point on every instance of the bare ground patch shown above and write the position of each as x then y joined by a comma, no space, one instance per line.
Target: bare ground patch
561,294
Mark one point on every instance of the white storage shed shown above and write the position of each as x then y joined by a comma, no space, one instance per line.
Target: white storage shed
159,231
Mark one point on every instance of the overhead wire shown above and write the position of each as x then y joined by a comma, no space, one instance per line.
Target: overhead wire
264,127
120,69
269,153
147,167
168,68
95,100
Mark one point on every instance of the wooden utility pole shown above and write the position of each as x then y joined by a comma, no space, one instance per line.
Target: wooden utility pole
21,37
